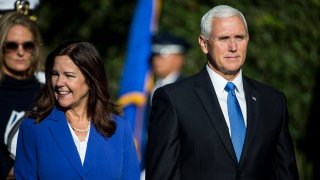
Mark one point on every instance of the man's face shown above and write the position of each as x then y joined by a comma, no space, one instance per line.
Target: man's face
227,46
164,65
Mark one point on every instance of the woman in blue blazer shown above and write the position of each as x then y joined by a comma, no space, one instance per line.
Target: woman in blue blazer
74,131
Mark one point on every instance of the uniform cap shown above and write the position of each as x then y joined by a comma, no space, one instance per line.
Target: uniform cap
165,43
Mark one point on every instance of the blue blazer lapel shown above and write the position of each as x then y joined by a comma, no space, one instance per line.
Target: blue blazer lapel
62,135
206,93
93,149
252,101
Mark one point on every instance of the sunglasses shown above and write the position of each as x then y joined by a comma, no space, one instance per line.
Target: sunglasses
11,46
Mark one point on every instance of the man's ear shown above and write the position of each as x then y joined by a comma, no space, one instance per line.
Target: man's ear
203,44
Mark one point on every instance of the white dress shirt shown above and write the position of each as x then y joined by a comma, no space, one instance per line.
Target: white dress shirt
219,84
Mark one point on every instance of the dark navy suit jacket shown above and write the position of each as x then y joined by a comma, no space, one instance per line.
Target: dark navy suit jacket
47,151
189,138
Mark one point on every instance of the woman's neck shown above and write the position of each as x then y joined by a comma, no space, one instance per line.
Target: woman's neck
15,75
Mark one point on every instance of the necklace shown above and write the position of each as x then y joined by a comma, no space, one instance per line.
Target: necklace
76,129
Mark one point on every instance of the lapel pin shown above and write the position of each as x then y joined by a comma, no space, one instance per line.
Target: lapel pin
254,98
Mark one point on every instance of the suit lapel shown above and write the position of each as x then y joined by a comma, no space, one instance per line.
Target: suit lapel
206,93
252,101
61,133
93,150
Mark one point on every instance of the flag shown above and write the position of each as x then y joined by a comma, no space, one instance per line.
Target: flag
135,81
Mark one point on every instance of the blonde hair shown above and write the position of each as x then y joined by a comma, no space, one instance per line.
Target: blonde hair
11,19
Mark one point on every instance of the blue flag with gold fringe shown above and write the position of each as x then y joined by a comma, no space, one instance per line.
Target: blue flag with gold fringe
135,80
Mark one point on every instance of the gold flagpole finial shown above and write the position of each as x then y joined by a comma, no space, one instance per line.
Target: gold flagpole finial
22,7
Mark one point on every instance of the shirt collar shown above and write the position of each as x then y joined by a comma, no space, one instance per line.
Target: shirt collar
169,79
219,82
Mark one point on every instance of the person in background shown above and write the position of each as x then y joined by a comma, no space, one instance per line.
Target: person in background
220,124
167,59
20,80
74,130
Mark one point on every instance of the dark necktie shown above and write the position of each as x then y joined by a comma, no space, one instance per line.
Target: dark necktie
238,128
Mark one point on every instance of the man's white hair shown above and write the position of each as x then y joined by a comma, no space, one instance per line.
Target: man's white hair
221,11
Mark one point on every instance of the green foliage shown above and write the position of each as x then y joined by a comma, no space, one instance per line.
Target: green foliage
283,48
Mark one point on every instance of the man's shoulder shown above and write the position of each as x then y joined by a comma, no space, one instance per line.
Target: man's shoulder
191,79
181,83
260,86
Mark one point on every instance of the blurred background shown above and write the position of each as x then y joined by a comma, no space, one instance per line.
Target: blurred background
283,49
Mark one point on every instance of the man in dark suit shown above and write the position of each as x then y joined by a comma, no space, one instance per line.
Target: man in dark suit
167,60
200,128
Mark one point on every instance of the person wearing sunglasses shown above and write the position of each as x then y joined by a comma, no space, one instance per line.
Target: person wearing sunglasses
20,80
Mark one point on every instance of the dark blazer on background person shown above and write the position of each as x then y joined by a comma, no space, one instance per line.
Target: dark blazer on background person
51,141
194,141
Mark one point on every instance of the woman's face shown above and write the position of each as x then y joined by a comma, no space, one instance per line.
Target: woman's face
68,83
18,50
